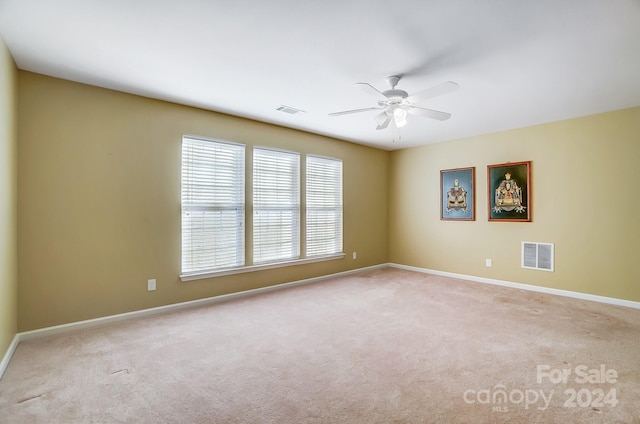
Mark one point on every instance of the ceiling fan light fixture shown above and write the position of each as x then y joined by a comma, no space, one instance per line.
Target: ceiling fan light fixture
400,117
395,104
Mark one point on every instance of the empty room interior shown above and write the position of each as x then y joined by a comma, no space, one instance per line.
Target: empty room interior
280,212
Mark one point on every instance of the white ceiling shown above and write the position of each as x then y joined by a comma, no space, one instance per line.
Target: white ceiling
518,62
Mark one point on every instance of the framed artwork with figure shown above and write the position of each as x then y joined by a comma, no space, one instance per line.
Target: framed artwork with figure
509,196
457,194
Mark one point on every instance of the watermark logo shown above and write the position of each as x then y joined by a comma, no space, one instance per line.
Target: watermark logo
583,374
499,398
596,395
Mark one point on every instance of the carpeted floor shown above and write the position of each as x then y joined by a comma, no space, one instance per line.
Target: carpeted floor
385,346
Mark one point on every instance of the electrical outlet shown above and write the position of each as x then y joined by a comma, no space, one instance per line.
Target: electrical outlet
151,284
355,255
488,263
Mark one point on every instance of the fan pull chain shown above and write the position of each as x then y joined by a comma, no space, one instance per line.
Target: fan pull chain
393,140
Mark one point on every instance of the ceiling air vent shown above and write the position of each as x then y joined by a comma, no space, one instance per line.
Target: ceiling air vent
537,256
290,110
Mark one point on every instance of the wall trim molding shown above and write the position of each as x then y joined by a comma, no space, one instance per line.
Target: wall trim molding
522,286
64,328
8,355
254,268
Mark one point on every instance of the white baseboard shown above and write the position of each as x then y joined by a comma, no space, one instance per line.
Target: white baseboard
58,329
48,331
8,354
529,287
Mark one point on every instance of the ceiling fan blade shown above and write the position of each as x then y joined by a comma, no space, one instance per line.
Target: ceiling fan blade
433,114
370,89
346,112
384,124
381,117
438,90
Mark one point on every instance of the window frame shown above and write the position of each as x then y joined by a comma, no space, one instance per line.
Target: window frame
324,198
279,203
196,200
248,213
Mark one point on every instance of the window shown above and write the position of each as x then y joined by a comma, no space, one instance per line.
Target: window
276,205
285,229
324,206
212,205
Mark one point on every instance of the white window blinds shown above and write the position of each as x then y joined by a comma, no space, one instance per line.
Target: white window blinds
324,206
212,205
276,205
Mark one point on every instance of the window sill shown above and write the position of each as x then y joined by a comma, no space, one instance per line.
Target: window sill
253,268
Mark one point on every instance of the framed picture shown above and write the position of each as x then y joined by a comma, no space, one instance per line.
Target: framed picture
509,196
457,194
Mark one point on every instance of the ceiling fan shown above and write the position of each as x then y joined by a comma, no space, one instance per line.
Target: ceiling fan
397,104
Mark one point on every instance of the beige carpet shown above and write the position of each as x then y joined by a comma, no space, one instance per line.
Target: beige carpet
386,346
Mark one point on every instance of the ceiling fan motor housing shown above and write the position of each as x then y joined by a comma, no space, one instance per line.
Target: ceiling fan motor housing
395,93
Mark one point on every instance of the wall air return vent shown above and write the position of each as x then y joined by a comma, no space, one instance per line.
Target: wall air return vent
537,256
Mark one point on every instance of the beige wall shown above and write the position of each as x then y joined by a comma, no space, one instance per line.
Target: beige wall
99,204
585,176
99,207
8,200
